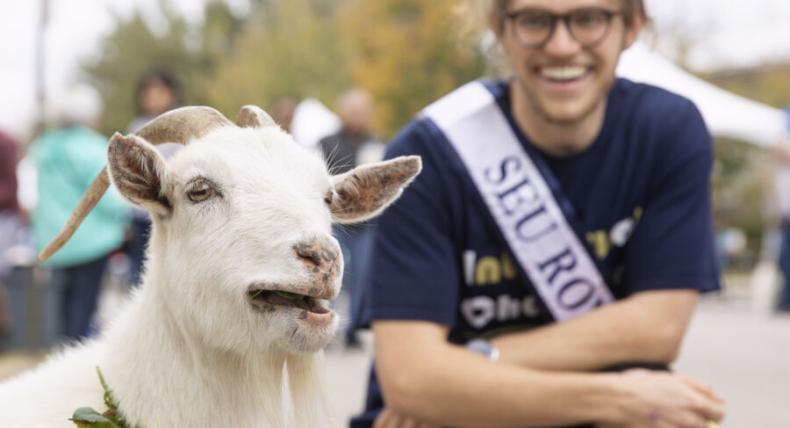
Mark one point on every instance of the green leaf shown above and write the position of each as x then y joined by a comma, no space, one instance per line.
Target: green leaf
112,418
109,400
88,417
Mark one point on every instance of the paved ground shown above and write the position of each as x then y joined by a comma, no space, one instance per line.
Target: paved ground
744,355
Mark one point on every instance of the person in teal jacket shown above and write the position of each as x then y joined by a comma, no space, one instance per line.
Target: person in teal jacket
67,159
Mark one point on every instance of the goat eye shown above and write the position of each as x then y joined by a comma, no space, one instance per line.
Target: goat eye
200,192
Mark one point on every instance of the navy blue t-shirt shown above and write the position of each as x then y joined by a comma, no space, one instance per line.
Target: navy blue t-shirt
641,196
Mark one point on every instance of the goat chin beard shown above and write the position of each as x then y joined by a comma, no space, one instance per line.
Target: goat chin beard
301,337
296,330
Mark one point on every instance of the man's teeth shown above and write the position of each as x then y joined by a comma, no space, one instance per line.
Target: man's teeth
562,73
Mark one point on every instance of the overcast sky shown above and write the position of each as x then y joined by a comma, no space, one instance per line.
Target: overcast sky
731,33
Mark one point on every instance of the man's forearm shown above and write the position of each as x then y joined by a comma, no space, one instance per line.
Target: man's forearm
453,387
646,328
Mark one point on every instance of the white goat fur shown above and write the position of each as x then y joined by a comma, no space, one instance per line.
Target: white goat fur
187,350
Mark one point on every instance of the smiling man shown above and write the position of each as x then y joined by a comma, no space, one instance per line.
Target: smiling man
561,227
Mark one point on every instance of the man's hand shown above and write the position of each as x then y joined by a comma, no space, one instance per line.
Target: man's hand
664,400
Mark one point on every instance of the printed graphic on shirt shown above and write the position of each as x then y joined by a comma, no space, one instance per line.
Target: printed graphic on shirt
601,241
487,270
494,295
481,311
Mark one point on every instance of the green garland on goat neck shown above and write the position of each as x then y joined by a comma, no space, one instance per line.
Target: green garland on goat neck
87,417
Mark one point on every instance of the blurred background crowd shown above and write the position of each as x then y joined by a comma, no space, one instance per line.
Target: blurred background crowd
343,76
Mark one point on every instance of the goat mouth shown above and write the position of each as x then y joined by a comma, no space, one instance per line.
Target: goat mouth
269,299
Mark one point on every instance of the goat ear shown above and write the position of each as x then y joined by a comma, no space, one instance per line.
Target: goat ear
365,191
138,171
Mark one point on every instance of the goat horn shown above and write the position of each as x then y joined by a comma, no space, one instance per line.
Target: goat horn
182,124
252,116
176,126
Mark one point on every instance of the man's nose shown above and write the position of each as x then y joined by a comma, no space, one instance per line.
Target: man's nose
561,42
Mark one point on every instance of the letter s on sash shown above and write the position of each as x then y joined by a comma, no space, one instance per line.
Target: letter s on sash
503,168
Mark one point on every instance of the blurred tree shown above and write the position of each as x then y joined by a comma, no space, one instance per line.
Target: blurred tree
742,179
298,48
190,52
220,31
291,48
740,184
414,54
768,83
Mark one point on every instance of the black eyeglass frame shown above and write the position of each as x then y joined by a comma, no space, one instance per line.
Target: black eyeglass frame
566,20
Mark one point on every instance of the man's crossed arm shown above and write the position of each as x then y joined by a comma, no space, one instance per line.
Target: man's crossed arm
648,327
424,376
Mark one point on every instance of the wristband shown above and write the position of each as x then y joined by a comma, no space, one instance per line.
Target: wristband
484,348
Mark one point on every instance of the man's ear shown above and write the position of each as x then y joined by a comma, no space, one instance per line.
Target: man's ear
633,30
138,171
365,191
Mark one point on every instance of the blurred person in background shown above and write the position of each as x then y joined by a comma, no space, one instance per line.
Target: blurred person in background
10,217
157,92
67,158
561,226
352,145
782,192
282,111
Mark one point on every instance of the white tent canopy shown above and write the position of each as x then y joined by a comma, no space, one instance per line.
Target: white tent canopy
313,121
726,114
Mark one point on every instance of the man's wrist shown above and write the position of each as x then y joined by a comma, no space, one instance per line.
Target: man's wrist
614,393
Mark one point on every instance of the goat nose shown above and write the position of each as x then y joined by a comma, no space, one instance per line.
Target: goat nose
316,252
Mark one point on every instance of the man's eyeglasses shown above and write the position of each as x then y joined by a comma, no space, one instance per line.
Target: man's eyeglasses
534,27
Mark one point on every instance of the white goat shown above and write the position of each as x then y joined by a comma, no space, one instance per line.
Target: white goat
227,327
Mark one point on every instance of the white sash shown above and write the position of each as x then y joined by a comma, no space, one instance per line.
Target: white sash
541,239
